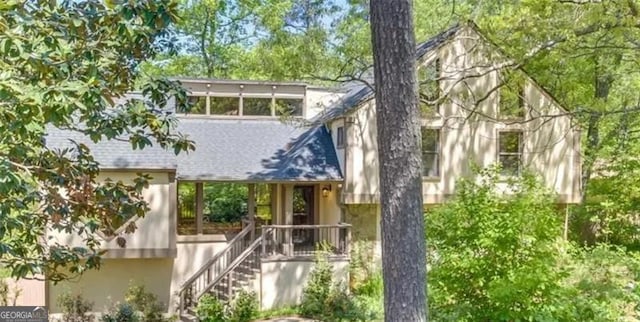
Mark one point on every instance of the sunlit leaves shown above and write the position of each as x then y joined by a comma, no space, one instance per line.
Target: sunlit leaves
68,65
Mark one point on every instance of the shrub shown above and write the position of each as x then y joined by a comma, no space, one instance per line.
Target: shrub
244,307
210,309
75,308
494,256
145,302
317,290
122,312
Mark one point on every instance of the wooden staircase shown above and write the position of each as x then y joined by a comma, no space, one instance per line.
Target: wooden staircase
235,268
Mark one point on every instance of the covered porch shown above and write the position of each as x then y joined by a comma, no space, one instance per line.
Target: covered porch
295,219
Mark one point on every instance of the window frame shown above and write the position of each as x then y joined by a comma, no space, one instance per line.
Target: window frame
437,153
519,154
240,97
340,137
437,63
522,104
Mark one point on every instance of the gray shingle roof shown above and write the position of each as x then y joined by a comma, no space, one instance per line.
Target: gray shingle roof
360,93
226,150
114,154
256,150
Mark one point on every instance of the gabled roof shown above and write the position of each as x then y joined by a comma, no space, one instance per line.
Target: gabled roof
257,150
361,93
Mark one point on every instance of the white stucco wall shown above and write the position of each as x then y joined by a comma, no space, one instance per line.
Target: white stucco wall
284,281
469,130
319,99
154,232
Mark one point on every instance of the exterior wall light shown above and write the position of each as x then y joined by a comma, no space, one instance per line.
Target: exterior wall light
326,190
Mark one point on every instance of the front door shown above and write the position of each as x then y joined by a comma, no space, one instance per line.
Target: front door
303,214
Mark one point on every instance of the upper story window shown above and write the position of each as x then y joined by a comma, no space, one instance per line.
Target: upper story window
510,147
289,106
429,88
245,98
430,152
512,104
340,137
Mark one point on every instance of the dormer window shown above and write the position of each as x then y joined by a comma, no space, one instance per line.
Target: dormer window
289,106
429,89
257,106
198,104
512,104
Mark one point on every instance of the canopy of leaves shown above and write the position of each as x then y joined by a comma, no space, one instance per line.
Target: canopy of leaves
62,65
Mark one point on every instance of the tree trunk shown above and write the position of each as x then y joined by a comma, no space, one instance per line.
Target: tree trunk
399,149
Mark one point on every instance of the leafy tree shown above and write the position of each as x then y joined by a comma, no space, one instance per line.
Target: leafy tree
398,117
63,64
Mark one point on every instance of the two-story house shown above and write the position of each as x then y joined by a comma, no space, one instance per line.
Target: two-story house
315,172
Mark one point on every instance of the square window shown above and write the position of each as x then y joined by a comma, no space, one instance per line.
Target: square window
430,152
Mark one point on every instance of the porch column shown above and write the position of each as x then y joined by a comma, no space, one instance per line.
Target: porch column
199,207
251,207
288,219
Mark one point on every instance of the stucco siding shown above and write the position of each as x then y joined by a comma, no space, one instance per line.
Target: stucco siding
284,281
470,124
154,232
319,100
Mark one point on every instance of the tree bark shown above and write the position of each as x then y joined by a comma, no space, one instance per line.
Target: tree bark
399,150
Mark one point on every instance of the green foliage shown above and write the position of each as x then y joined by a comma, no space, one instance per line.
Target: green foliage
244,307
225,202
63,64
317,290
325,300
494,256
145,302
210,309
75,308
123,312
4,292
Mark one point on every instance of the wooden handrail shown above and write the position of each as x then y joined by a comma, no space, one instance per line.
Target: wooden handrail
215,258
306,226
231,267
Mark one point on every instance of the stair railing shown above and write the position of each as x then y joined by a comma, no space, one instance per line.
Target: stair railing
200,282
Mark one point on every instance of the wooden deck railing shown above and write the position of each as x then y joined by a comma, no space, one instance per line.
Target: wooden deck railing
306,240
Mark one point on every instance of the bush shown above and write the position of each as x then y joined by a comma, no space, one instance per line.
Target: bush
317,290
145,302
244,307
75,308
495,256
210,309
122,312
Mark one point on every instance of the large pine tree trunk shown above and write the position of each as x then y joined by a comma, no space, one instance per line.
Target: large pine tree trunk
399,146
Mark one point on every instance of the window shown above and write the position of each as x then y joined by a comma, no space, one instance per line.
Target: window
186,208
256,106
510,145
429,89
340,137
512,96
430,152
224,105
288,107
198,104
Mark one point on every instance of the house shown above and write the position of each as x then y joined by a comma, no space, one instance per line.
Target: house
307,157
